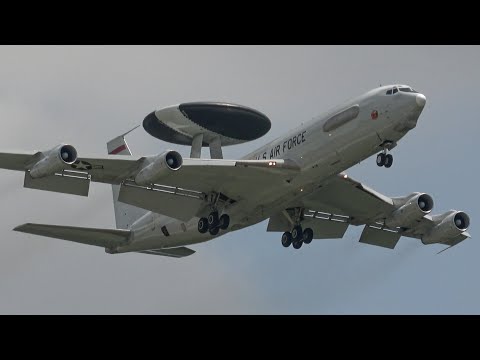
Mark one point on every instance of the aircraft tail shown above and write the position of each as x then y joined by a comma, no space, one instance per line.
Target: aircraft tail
125,215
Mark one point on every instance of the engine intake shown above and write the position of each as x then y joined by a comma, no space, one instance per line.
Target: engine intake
449,225
53,160
158,166
415,208
461,221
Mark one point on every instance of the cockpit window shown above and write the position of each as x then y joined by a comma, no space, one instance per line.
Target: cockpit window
407,89
395,89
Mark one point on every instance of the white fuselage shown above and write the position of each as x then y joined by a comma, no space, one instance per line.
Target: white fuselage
322,147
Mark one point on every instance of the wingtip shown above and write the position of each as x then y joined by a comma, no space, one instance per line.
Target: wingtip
21,228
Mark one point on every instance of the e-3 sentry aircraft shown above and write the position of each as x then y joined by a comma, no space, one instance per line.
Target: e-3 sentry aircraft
165,202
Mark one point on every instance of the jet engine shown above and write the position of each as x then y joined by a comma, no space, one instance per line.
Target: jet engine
158,166
449,225
416,207
53,160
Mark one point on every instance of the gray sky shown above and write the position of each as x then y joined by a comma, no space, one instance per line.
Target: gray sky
86,95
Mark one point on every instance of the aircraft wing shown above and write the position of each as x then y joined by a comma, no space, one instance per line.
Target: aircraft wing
195,174
343,201
179,194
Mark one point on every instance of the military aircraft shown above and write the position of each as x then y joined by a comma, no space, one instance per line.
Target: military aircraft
165,202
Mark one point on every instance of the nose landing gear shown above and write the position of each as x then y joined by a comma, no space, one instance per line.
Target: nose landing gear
384,159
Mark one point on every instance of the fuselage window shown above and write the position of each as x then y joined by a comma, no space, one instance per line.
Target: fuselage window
395,90
389,92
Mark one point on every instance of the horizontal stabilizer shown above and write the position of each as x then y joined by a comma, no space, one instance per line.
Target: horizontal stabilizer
173,252
379,237
107,238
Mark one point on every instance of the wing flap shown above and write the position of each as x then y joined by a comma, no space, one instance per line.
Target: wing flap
107,238
73,184
171,202
326,229
379,237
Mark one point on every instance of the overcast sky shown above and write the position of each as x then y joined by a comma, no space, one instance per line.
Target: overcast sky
86,95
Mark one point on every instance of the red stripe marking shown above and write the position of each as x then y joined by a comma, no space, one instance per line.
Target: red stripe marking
118,149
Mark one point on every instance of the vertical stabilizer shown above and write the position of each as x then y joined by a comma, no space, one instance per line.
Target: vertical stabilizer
125,215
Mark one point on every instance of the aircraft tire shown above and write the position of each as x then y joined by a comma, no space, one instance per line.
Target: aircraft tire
297,233
381,159
297,244
224,221
388,161
307,236
286,239
213,220
214,231
202,225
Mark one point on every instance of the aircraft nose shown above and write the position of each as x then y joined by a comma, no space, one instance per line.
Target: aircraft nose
421,100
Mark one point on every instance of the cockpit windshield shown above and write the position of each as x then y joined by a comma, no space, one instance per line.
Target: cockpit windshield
408,89
395,89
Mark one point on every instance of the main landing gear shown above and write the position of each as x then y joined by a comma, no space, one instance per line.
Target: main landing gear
213,223
297,237
384,159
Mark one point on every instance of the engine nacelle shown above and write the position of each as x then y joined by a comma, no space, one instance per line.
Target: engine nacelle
158,166
449,225
416,207
53,160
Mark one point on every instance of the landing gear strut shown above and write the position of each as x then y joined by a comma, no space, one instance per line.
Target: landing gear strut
384,159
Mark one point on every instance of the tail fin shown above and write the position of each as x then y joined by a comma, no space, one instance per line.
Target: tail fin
125,215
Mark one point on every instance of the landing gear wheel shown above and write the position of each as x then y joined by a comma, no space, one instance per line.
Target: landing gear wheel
224,222
381,159
297,244
388,160
213,220
202,225
214,231
297,233
286,239
307,236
